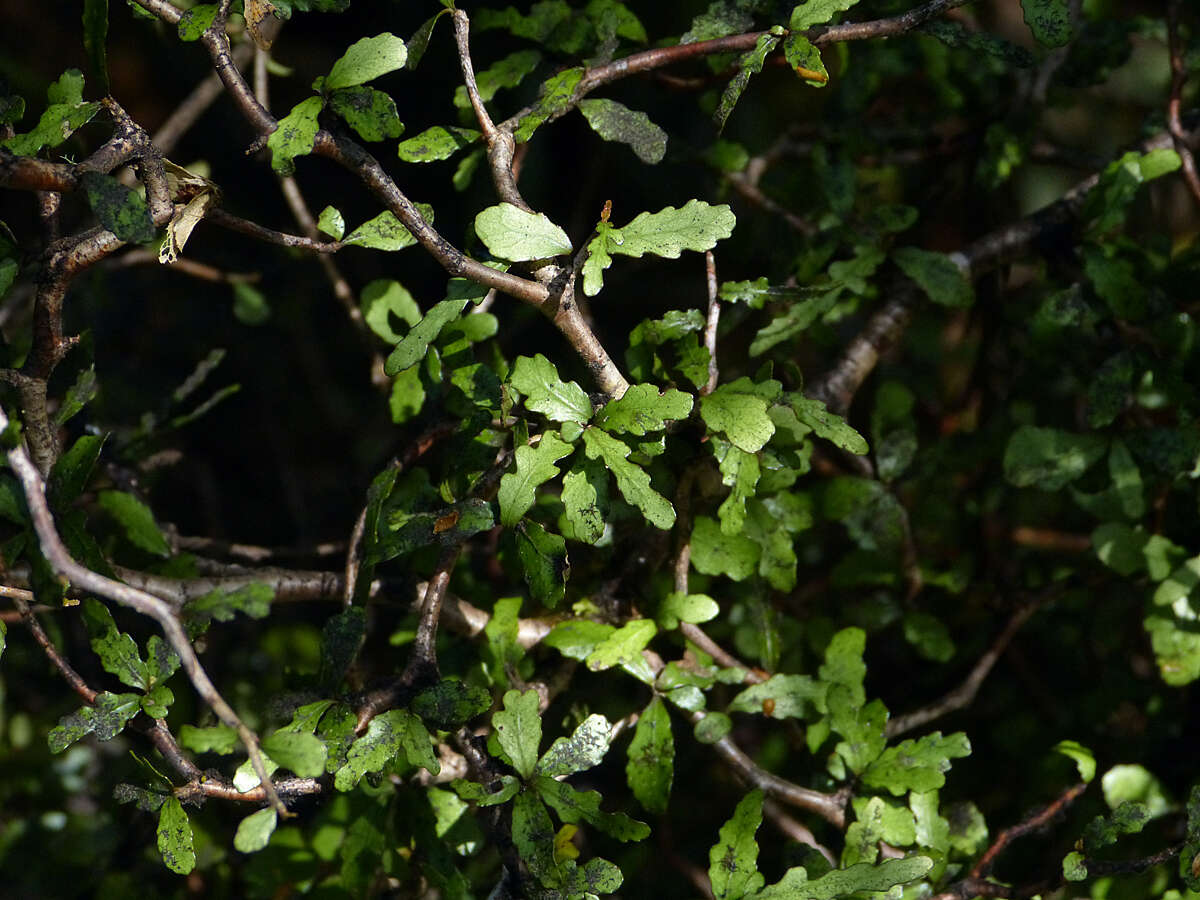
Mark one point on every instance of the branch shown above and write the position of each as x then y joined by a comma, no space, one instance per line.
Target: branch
1034,822
964,695
161,612
1178,78
711,323
270,235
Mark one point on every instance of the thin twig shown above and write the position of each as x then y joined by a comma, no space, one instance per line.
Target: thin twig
712,321
964,695
1038,820
270,235
1179,76
161,612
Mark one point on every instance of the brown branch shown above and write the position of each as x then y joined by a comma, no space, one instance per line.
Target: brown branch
882,28
70,676
1034,822
203,95
1179,77
270,235
793,830
712,321
830,807
289,585
964,695
199,270
148,605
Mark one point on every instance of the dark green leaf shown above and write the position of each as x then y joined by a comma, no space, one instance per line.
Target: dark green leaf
544,558
1048,458
651,766
575,806
615,122
369,112
95,39
175,838
137,521
120,209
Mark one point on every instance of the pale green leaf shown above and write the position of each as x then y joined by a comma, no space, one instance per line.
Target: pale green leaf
740,472
583,750
733,860
817,12
651,766
545,393
643,409
518,729
254,832
330,222
510,232
535,465
697,226
505,73
827,425
295,135
366,60
623,645
781,697
585,499
386,232
212,739
304,754
1084,759
384,298
740,414
632,481
438,142
849,881
805,59
715,553
916,765
692,608
413,347
175,837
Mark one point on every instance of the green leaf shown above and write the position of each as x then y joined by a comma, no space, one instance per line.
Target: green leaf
623,645
632,481
668,232
1074,867
369,112
537,378
533,834
386,232
555,99
863,727
750,64
583,750
505,73
1048,458
175,837
544,559
849,881
535,466
712,728
250,305
740,472
136,520
733,860
65,113
330,222
385,737
585,499
599,249
740,414
450,703
118,652
384,298
106,719
715,553
575,806
1049,20
511,233
195,21
844,662
95,39
939,276
295,136
120,209
304,754
1108,202
367,59
805,59
918,765
518,728
614,121
413,347
3,637
693,608
642,409
781,697
817,12
254,832
1130,817
438,142
72,471
929,635
1179,586
827,425
478,794
253,600
797,319
651,766
212,739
